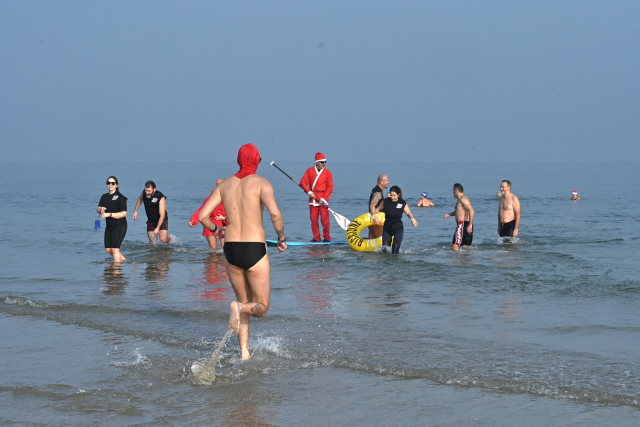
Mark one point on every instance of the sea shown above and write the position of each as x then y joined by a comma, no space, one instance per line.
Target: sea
542,331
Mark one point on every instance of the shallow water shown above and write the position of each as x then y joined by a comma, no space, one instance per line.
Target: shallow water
545,330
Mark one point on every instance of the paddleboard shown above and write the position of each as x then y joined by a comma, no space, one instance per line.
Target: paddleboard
273,243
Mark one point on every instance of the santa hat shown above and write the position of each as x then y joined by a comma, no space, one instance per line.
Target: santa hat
320,157
574,192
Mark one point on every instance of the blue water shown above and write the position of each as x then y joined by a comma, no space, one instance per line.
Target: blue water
543,332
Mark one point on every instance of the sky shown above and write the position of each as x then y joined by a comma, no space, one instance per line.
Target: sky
357,80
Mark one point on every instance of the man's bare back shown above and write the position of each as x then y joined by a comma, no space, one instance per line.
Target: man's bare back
245,195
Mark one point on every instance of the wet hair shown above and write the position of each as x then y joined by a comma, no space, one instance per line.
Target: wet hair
508,182
116,180
147,185
396,190
458,186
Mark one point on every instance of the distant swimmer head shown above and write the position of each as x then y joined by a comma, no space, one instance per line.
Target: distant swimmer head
248,160
574,192
219,181
424,194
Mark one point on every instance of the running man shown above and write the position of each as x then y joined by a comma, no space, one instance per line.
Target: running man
464,214
317,182
155,205
508,212
375,231
245,196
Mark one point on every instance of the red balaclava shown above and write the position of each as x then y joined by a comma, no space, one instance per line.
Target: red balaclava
248,160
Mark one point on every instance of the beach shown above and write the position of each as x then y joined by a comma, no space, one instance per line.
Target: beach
541,332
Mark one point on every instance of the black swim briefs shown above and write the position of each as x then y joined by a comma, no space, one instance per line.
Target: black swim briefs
461,237
244,254
507,228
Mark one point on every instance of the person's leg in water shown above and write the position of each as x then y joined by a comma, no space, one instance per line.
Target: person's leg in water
112,240
386,240
213,242
253,290
164,236
397,241
375,231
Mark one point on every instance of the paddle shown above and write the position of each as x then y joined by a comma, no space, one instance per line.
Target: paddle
342,221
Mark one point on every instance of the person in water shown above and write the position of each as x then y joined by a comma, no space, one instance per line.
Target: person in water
218,217
464,214
245,196
113,207
393,207
155,206
574,195
508,212
375,231
317,182
424,202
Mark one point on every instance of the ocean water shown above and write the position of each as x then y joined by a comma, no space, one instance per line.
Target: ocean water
542,332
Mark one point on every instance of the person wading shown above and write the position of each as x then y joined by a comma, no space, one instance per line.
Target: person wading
317,181
155,206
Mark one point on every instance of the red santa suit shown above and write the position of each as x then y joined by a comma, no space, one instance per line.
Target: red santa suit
219,211
319,182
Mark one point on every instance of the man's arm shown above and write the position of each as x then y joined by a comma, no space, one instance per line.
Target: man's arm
214,201
374,202
467,205
269,201
329,190
449,214
135,211
162,207
516,212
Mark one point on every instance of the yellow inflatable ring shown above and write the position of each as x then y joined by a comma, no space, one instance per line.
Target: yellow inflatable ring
356,227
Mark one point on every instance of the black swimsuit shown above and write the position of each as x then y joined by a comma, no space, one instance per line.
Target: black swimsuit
244,254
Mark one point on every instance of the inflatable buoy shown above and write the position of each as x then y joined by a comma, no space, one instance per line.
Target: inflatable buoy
359,224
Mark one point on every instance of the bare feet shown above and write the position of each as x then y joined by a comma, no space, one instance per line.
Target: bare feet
234,318
246,355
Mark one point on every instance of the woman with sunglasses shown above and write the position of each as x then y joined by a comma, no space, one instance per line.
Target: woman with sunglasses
113,207
393,207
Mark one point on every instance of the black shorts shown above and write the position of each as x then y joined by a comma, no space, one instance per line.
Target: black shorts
507,228
152,225
244,254
461,237
113,237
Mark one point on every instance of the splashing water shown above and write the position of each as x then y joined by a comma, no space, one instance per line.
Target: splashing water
204,372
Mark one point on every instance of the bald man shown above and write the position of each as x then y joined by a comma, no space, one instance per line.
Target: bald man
375,231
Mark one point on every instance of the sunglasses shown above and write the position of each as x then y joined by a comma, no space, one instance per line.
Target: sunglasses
112,183
323,163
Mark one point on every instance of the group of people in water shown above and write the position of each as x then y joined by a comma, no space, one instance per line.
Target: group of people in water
233,214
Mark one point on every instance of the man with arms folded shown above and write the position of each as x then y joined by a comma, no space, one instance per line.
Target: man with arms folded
508,212
245,195
375,231
464,214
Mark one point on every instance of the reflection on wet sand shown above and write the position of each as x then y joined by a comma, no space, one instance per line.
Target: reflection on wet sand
114,279
215,282
314,292
156,277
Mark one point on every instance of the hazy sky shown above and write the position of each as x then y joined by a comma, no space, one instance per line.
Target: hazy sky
357,80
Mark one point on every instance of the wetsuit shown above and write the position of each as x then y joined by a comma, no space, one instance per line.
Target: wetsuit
507,228
393,227
116,227
462,237
152,208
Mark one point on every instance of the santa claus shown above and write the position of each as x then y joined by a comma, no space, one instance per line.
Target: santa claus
317,181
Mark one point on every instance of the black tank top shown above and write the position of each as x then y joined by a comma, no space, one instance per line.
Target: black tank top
375,190
152,207
114,203
393,215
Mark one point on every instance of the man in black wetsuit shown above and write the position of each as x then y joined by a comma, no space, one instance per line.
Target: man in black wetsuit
155,205
375,231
